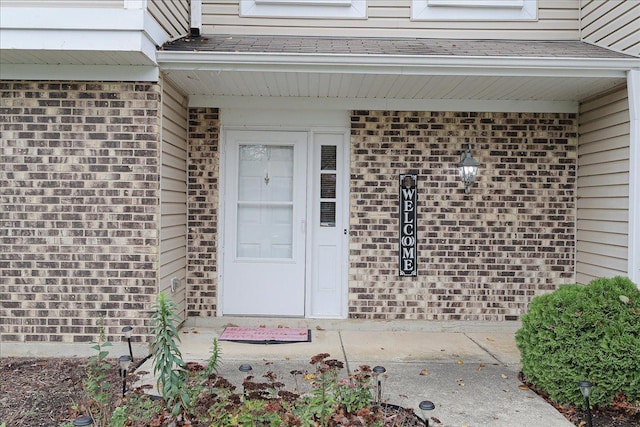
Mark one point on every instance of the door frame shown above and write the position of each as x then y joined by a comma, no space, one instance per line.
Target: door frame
309,235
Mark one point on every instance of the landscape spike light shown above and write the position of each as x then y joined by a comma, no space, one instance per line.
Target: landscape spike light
245,368
379,370
127,331
125,361
426,406
586,388
83,421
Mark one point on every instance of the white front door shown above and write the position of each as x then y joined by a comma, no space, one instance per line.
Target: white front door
265,223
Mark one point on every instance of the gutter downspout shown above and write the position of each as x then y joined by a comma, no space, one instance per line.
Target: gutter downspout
633,90
196,18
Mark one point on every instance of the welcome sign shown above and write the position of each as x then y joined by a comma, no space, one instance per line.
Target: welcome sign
408,224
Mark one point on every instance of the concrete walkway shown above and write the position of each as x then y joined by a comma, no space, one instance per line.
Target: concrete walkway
468,369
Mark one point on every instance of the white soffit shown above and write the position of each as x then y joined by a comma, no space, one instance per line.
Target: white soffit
376,79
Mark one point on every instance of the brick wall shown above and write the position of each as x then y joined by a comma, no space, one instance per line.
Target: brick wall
79,208
481,256
202,222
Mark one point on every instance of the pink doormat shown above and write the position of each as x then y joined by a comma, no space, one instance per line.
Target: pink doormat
265,335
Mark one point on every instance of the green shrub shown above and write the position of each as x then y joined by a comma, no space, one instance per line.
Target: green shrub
581,332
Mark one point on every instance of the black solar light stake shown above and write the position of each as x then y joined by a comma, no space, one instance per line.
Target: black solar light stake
379,370
125,361
127,330
245,368
426,406
585,388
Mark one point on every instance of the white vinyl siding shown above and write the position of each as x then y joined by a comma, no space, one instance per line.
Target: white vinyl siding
173,219
557,20
614,24
173,16
603,187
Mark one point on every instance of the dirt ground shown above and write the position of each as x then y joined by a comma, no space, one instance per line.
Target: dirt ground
47,392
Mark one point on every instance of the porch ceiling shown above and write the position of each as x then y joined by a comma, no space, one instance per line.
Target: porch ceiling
388,86
391,69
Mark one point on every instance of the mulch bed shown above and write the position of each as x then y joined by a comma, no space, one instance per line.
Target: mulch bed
47,392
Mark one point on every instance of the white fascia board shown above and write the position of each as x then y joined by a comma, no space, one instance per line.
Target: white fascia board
79,72
80,29
73,40
399,64
633,89
39,18
311,103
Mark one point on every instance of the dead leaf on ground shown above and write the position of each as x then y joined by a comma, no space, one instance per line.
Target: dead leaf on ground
459,362
490,339
523,387
318,328
424,372
480,366
504,376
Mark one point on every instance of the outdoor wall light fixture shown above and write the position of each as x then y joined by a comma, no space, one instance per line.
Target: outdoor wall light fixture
585,388
127,330
378,371
125,361
426,406
85,420
468,168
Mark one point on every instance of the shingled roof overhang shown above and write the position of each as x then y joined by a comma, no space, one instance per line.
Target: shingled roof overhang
403,68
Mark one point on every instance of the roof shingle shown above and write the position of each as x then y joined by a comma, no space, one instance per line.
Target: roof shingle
389,46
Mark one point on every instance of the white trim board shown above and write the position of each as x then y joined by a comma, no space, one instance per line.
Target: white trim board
474,10
346,104
316,9
148,73
633,84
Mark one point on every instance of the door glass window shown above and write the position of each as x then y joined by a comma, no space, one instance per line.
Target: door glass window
328,174
265,202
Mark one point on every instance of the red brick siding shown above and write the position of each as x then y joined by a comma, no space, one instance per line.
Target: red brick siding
481,256
79,208
202,222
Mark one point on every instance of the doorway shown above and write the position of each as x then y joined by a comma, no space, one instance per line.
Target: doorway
284,203
265,223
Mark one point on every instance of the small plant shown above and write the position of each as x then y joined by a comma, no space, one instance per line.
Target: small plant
100,398
213,363
331,397
167,359
584,333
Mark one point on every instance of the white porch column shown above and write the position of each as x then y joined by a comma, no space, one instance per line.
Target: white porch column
633,88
